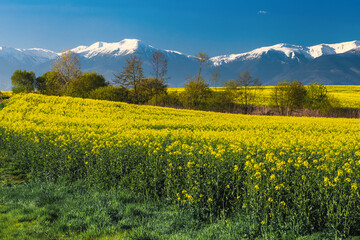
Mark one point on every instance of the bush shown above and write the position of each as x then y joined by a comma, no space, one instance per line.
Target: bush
288,96
110,93
221,102
196,93
316,96
166,99
82,86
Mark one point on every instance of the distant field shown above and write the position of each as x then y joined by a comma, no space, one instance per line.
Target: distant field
348,95
6,93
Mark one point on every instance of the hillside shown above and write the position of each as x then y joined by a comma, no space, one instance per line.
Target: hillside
260,168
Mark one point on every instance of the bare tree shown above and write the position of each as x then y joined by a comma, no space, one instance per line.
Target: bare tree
215,77
288,95
203,58
68,67
159,65
247,87
132,75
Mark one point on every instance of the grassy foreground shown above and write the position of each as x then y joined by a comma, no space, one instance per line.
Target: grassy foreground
270,176
73,211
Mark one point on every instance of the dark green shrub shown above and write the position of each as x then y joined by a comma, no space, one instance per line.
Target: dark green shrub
167,99
288,95
82,86
110,93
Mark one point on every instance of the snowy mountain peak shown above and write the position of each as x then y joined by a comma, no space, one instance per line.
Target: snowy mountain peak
336,48
124,47
287,49
40,53
290,51
36,55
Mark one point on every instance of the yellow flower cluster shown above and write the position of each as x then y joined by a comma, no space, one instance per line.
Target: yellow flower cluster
266,164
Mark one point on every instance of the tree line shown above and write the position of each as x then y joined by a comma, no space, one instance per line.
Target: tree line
239,95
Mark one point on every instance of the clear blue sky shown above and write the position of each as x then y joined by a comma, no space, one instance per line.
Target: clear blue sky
189,26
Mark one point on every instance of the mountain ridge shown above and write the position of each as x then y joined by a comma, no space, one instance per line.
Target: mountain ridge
271,63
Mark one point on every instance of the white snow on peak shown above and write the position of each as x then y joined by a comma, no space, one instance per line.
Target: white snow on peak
11,53
33,54
172,51
336,48
124,47
129,46
290,51
40,53
79,49
287,49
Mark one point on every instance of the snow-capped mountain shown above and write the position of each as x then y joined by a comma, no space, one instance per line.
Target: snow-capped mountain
326,63
289,51
109,58
329,49
36,55
286,61
116,49
125,47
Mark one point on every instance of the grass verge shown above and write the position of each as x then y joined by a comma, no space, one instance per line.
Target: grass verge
37,210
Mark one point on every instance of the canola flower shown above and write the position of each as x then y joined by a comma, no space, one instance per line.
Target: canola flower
220,162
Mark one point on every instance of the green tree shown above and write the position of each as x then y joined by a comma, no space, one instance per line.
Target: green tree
288,96
68,68
23,81
40,84
131,76
50,84
82,86
151,87
196,93
316,97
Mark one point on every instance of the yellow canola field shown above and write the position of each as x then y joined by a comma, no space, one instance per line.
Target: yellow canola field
273,168
348,95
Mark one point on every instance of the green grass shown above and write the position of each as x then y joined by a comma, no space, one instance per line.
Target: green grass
62,211
36,210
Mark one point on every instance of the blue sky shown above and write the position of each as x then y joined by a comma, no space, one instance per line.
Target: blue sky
189,26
